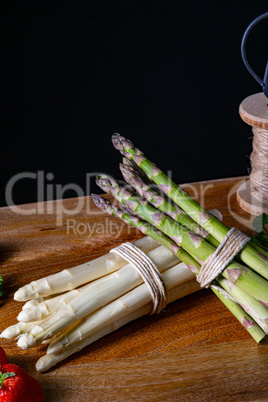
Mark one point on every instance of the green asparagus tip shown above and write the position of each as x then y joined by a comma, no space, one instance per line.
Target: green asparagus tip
99,201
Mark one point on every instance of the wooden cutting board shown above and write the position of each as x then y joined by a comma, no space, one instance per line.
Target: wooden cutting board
193,351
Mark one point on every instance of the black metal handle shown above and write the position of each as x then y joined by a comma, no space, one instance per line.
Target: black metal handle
264,82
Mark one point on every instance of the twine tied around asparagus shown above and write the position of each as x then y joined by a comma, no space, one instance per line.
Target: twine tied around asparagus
230,246
148,271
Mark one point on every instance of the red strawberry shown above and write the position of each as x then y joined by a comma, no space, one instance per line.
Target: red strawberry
3,356
18,386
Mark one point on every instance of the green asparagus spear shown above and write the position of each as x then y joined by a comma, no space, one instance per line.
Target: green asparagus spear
251,326
210,223
145,228
195,245
162,203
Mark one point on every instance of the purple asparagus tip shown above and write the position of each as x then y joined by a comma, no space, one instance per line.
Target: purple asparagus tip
126,168
100,202
103,187
103,181
121,143
130,176
126,176
127,162
116,140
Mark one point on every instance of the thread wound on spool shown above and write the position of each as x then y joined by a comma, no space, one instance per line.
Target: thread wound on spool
252,196
259,164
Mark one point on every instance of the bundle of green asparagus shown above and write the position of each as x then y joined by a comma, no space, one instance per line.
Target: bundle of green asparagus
77,306
192,232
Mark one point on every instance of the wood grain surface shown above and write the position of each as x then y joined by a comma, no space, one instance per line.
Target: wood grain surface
195,350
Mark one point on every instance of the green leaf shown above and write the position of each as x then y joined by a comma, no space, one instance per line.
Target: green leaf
4,376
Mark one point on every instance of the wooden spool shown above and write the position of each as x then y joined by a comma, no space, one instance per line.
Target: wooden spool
254,111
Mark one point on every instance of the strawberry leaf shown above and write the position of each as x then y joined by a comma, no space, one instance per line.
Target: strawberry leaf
4,376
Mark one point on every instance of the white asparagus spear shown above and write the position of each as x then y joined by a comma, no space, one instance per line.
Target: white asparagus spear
100,292
48,361
71,278
118,309
41,310
15,330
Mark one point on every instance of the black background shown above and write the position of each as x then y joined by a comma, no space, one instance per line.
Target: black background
166,74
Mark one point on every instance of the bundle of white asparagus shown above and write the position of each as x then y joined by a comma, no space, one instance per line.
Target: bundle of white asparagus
77,306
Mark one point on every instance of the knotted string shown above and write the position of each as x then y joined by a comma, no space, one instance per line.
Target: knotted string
230,246
148,271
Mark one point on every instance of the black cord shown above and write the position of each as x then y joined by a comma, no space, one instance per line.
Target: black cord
263,83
